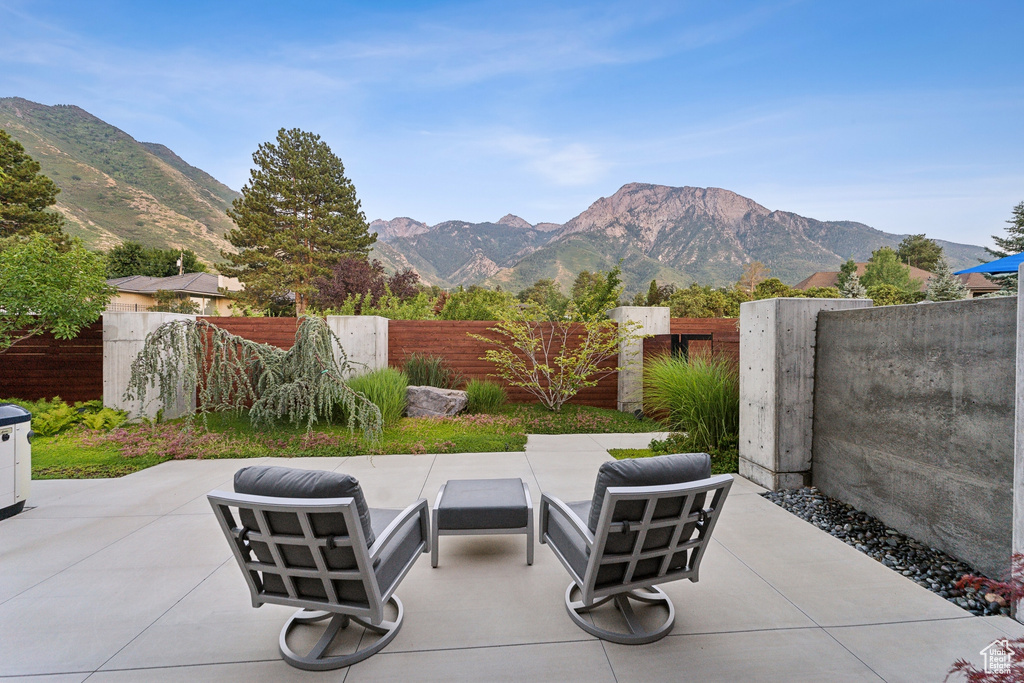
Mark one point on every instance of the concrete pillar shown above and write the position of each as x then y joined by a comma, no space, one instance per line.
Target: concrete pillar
124,335
1018,443
364,339
777,338
653,320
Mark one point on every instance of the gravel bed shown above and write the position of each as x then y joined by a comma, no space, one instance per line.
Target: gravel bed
927,567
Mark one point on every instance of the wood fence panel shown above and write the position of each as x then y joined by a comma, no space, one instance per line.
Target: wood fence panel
450,340
279,332
725,342
44,367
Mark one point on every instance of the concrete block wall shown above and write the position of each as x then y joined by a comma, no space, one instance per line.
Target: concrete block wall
124,335
777,343
653,320
364,339
914,421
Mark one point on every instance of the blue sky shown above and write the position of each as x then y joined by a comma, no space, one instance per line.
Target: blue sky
906,116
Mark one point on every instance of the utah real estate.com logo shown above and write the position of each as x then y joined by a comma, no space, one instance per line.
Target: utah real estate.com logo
997,657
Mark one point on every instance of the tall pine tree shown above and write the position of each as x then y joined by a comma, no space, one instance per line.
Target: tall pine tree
25,194
297,216
1013,243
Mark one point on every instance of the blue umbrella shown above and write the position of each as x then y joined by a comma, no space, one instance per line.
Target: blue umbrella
1007,264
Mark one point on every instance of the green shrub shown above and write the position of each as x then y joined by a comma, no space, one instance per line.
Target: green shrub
385,388
53,416
698,396
431,371
485,396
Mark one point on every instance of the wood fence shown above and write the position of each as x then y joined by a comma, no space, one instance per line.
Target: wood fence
450,340
724,342
44,367
279,332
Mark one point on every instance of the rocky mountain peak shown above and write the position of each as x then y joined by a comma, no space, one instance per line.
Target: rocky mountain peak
397,227
514,221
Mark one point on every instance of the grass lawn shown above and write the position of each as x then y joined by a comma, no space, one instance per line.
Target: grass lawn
80,453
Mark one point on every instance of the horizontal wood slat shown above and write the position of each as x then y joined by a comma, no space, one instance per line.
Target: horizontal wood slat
725,342
44,367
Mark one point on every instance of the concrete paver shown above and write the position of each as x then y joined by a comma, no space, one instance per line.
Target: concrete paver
130,579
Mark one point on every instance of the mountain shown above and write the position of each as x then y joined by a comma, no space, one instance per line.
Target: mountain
114,188
671,234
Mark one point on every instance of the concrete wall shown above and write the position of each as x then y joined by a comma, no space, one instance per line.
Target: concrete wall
124,335
364,339
777,385
914,421
653,320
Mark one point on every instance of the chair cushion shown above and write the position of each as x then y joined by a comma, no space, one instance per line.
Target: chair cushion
401,550
567,540
655,471
288,482
483,504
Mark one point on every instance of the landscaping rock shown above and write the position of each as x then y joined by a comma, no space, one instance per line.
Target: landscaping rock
434,402
927,567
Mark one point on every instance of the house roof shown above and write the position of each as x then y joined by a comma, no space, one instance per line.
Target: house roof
976,282
201,284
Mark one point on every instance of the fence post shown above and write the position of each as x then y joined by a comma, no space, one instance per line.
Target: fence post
777,338
124,335
364,339
653,320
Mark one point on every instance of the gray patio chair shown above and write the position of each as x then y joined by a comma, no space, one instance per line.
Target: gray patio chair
648,523
307,539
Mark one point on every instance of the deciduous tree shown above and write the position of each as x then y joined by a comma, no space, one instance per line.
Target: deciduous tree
919,251
297,216
885,268
753,274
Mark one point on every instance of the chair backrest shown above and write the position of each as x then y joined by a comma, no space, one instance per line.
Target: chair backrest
305,552
648,535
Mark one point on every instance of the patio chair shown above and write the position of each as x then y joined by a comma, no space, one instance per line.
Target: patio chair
307,539
648,523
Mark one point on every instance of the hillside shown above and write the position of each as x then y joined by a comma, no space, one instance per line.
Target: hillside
114,188
672,234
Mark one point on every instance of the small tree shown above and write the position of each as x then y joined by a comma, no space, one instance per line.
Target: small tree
888,295
594,294
45,289
555,360
848,268
753,274
885,268
852,288
479,303
171,302
131,258
1013,243
944,286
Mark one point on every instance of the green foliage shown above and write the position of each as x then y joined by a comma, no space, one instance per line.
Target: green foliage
546,295
594,294
889,295
703,301
478,303
1013,243
852,287
698,396
297,216
424,370
131,258
386,389
920,252
484,396
772,288
554,361
25,194
846,271
884,268
419,307
46,289
821,293
944,286
228,373
171,302
50,417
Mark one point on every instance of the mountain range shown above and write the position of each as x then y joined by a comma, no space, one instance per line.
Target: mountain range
114,188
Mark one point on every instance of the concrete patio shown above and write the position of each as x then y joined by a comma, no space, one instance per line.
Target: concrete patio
130,579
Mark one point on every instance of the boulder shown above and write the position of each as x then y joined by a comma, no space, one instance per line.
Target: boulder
434,402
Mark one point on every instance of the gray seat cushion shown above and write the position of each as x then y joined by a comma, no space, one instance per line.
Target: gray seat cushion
399,551
656,471
482,504
567,540
288,482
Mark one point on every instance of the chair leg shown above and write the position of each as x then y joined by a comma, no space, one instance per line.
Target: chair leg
637,634
315,660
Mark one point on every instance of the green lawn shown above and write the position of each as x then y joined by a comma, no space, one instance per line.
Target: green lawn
80,453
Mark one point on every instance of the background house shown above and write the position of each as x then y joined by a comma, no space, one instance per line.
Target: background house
207,290
976,283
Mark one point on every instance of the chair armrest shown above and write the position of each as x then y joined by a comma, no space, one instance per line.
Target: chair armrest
418,508
547,502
